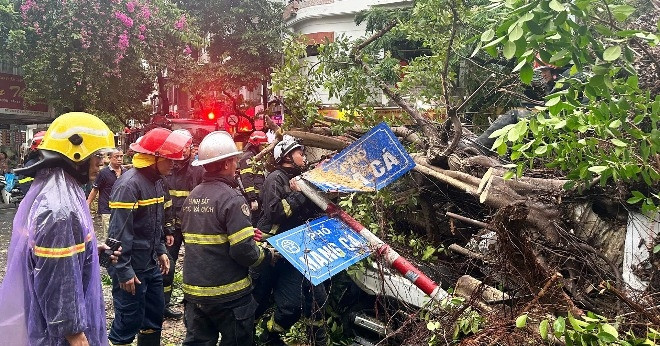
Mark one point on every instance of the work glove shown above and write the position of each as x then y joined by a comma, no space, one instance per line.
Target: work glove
258,235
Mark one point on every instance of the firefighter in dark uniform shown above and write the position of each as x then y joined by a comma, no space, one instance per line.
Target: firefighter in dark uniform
252,173
178,185
136,205
285,207
220,249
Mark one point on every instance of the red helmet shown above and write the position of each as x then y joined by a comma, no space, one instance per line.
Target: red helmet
258,138
162,142
36,140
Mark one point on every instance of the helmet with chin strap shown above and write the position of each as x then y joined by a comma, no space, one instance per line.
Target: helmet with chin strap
284,147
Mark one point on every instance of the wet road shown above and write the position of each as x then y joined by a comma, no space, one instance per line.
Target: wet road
7,212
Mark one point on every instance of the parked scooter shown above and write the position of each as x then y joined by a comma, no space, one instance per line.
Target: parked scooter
11,192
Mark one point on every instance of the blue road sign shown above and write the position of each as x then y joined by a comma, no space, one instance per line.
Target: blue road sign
368,164
321,248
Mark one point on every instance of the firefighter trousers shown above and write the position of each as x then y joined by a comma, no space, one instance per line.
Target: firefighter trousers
140,312
233,321
173,253
293,294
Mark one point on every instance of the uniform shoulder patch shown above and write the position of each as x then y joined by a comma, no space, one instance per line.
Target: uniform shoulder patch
245,209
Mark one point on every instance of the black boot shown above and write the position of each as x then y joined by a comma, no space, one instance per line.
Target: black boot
148,338
171,313
270,339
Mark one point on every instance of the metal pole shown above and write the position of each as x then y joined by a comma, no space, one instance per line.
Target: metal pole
378,247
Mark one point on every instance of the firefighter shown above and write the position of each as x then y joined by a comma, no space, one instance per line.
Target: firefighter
220,249
178,185
252,173
136,205
51,293
284,208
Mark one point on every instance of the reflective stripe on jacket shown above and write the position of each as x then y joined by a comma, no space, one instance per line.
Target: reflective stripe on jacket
252,175
136,205
219,246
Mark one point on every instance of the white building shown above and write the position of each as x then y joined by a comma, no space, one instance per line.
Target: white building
319,20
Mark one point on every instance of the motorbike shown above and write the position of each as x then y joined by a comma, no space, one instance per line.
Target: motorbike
10,189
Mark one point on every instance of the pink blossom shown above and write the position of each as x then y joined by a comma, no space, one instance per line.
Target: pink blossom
143,28
187,50
130,6
123,41
146,12
141,37
128,22
181,23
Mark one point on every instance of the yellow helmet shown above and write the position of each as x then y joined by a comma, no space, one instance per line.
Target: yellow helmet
77,136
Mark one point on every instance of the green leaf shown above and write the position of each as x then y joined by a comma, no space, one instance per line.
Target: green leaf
619,143
559,326
495,42
487,35
615,124
557,6
508,175
521,321
621,12
609,329
526,73
543,329
541,150
509,49
597,169
612,53
553,101
516,33
519,66
656,248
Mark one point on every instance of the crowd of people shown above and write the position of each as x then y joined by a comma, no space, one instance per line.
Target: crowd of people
219,201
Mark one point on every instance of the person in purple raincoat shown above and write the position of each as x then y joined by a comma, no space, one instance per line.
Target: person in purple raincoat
51,294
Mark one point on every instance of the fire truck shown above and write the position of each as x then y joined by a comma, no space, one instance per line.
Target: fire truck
220,117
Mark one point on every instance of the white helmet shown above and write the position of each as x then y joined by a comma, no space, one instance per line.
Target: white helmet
284,147
216,146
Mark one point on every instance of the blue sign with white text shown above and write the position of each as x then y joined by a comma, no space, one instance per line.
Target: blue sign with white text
368,164
321,248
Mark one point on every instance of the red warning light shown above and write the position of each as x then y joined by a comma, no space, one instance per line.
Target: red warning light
210,116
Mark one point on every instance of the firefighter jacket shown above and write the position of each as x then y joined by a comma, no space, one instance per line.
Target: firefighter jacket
282,208
136,219
178,185
52,287
219,242
252,174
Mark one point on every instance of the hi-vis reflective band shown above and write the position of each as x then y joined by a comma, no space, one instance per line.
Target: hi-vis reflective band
272,326
212,291
251,189
25,180
274,229
262,254
241,235
179,193
60,252
167,204
287,207
139,203
251,171
167,289
204,239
